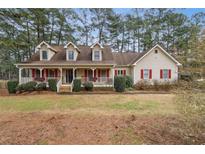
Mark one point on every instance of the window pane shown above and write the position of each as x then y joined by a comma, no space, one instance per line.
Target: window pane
165,73
71,55
97,55
45,56
146,73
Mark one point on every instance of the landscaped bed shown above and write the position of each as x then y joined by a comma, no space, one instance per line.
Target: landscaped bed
100,119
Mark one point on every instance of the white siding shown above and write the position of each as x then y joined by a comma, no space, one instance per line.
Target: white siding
155,62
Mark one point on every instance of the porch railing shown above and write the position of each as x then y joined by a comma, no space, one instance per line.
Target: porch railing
98,80
28,79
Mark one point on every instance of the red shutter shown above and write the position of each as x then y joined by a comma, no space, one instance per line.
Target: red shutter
94,75
108,74
85,75
142,74
124,72
150,74
115,72
161,74
99,75
170,74
33,73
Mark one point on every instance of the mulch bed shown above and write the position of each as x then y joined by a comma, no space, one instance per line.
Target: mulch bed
4,92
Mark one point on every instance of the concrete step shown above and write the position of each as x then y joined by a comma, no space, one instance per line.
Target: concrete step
65,89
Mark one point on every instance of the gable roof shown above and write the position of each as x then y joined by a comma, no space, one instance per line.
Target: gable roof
48,46
71,43
84,57
97,43
144,54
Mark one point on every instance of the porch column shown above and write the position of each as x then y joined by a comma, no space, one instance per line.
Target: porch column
20,75
113,76
74,73
93,69
61,74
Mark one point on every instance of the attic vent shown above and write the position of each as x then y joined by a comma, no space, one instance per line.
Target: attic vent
156,51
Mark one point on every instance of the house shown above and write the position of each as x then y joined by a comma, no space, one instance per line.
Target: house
96,63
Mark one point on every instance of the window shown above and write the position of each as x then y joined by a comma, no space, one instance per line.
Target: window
44,55
51,73
71,55
165,73
146,73
120,72
96,55
156,51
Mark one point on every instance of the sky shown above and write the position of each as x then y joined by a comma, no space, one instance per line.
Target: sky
187,11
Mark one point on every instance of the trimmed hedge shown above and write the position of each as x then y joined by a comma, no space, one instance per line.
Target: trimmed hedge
88,86
30,86
77,85
128,81
52,84
21,87
41,86
12,85
119,83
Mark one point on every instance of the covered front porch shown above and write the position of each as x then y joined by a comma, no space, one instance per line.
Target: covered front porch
101,76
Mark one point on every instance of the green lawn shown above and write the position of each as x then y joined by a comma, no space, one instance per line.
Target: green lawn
108,104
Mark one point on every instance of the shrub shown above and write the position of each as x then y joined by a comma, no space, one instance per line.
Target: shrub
12,86
41,86
76,85
30,86
128,81
21,87
166,85
52,84
119,83
88,86
142,85
156,85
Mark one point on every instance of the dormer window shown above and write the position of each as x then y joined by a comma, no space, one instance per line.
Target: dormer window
44,55
97,55
70,55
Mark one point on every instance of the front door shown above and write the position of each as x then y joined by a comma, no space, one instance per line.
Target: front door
69,76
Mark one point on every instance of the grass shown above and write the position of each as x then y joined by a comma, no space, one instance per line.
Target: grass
141,104
134,105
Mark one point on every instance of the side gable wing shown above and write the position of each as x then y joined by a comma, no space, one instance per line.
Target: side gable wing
162,49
